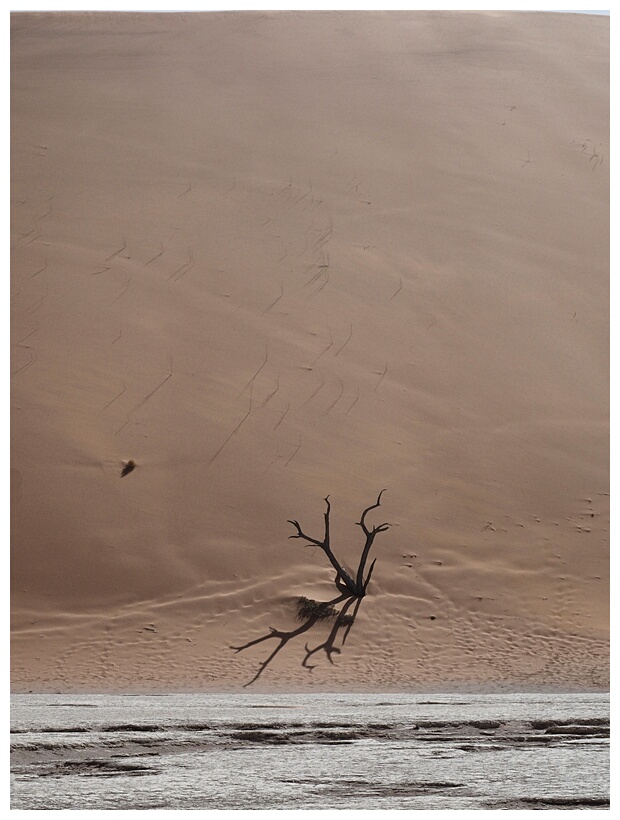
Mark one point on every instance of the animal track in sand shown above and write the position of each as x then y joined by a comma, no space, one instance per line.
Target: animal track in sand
295,451
354,402
38,304
320,387
336,400
157,255
146,398
251,381
270,395
33,358
281,419
275,301
123,291
346,342
28,238
397,291
179,273
40,270
234,432
118,394
381,377
593,151
117,252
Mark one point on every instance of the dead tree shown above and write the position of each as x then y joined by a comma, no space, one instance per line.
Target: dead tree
355,587
351,590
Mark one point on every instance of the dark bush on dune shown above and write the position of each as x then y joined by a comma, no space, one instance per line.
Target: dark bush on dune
308,608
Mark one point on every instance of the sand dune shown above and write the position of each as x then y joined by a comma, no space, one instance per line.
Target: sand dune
273,256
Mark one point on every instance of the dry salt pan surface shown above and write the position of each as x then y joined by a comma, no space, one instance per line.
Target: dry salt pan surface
260,258
317,750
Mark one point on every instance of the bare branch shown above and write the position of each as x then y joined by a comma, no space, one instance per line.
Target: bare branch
301,534
370,537
326,516
367,510
344,581
341,573
372,566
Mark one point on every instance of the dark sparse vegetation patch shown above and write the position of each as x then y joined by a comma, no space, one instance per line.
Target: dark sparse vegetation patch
308,608
319,610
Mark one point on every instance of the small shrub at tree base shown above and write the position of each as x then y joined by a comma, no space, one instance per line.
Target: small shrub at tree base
308,608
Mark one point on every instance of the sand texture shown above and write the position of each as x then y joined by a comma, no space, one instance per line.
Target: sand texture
267,257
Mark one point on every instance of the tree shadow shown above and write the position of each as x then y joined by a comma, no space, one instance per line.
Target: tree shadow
320,612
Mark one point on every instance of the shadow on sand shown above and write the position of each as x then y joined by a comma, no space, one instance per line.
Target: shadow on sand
311,613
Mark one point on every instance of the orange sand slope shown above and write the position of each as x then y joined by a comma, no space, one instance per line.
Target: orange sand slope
272,256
